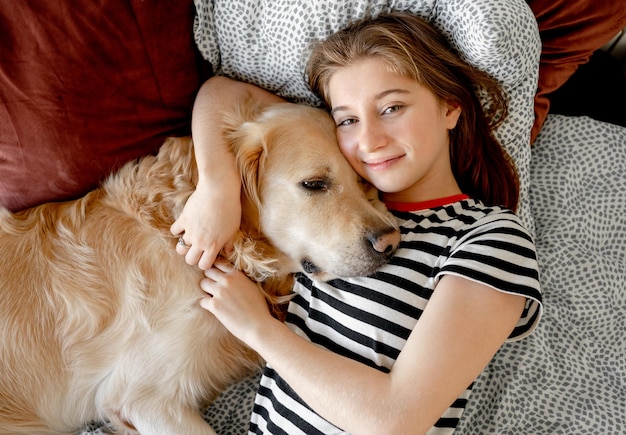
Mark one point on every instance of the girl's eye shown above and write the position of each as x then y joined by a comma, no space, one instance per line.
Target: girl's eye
346,122
392,109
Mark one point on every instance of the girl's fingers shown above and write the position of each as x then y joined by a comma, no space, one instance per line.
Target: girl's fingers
224,265
206,260
213,273
216,277
206,303
193,255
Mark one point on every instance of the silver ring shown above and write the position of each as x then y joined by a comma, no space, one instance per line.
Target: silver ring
181,242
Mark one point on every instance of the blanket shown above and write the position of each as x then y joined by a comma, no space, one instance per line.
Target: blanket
569,376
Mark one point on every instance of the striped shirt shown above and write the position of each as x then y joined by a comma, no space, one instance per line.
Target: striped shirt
370,318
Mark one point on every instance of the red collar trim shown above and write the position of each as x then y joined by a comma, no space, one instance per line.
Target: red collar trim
423,205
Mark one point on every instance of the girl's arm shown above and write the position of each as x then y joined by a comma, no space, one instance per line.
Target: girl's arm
212,214
462,327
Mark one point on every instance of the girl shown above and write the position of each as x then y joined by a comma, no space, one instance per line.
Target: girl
398,351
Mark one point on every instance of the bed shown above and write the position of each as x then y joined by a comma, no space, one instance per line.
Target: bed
569,377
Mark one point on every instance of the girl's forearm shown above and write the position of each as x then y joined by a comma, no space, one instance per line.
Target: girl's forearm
217,96
351,395
426,377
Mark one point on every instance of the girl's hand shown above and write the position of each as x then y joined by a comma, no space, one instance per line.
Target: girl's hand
235,300
208,222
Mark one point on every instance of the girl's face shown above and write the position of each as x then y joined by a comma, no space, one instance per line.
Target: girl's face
393,131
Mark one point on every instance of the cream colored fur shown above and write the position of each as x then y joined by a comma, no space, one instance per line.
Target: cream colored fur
98,314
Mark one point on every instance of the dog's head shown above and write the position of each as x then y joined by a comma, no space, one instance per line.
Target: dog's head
301,195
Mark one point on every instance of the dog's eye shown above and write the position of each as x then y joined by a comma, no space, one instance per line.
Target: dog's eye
316,184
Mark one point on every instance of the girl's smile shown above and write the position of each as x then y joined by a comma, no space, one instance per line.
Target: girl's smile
383,163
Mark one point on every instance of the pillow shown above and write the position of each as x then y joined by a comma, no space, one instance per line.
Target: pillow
85,88
570,30
267,43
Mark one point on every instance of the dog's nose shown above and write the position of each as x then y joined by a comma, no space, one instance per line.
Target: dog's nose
385,242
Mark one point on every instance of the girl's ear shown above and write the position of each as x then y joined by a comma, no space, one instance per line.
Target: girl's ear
452,113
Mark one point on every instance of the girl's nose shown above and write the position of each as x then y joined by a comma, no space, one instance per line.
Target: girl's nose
372,136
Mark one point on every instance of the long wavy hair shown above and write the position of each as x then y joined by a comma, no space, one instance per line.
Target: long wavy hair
414,48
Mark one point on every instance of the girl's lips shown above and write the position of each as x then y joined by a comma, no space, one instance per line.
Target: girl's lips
382,164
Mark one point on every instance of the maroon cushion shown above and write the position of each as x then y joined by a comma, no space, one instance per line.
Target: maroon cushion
571,30
85,87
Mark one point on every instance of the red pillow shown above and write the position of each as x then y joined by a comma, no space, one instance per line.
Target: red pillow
571,30
86,87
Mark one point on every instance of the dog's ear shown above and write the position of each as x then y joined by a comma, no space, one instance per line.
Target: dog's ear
247,138
250,154
246,109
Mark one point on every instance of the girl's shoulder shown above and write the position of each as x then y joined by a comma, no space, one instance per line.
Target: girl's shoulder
462,214
480,214
455,225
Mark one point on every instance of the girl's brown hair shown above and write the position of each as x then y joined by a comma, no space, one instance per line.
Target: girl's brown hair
412,47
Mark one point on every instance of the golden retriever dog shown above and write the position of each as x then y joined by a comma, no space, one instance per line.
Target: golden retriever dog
99,316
